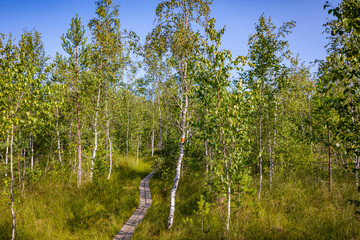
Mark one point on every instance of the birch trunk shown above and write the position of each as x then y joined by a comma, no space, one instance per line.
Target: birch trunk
330,163
79,148
153,133
228,187
19,168
32,152
110,158
58,136
270,159
127,129
274,144
11,184
6,154
357,170
78,123
137,150
260,154
179,163
206,158
70,140
95,134
160,133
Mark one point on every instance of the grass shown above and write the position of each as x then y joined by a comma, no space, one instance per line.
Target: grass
57,209
296,207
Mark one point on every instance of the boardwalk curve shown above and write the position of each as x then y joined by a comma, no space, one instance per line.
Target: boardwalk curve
128,229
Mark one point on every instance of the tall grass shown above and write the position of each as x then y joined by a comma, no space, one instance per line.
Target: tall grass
295,207
57,209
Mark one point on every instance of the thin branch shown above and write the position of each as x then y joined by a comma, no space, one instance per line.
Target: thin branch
191,135
172,96
174,119
18,104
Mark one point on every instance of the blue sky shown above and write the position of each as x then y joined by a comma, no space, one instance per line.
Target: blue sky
52,19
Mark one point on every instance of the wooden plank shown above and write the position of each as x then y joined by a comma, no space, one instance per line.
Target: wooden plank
128,229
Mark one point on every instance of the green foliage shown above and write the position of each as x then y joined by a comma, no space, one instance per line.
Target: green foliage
296,207
53,208
99,172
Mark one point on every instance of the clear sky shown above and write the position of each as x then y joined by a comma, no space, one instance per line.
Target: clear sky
52,19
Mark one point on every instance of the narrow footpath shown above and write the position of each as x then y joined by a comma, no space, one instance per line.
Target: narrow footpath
128,229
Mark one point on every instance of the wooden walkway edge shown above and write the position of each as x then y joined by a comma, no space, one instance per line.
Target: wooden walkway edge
128,229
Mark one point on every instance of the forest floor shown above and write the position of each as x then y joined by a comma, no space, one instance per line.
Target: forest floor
54,208
297,206
127,231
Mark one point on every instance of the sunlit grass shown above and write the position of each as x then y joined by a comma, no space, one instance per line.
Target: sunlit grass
294,208
57,209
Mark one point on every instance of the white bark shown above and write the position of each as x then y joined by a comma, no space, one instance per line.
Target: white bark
79,173
6,154
260,154
160,133
270,155
32,151
11,184
127,129
95,135
228,187
70,140
357,170
110,158
179,164
153,133
58,135
175,186
137,149
206,158
274,144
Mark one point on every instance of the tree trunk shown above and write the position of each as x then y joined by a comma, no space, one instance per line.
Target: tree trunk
19,168
78,123
58,136
127,129
108,136
270,159
260,154
32,152
160,133
153,133
330,163
179,163
95,134
274,145
228,187
207,163
70,140
357,170
79,152
110,158
137,149
6,154
12,183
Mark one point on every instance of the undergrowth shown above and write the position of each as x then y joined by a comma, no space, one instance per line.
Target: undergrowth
295,207
57,209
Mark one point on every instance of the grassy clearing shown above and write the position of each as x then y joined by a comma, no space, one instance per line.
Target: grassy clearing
57,209
294,208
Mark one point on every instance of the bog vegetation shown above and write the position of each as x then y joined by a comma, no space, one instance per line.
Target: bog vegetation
244,147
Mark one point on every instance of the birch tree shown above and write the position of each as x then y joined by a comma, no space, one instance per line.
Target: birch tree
267,49
175,33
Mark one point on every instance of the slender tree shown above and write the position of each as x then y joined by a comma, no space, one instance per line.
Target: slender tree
74,43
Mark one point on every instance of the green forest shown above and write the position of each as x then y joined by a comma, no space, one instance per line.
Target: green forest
259,146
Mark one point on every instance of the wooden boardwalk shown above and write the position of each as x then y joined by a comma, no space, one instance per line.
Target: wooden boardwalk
128,229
